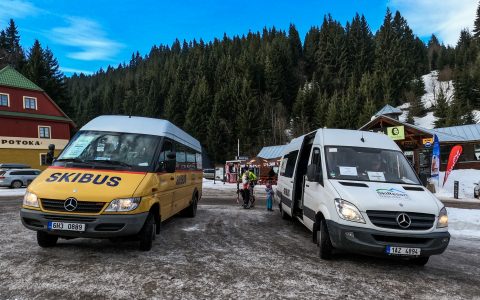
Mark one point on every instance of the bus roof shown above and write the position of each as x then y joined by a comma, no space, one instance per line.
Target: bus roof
142,125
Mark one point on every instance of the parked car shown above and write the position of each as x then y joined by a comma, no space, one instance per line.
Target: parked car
14,166
209,173
16,178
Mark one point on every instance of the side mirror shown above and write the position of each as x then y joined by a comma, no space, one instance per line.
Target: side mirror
171,162
313,174
50,154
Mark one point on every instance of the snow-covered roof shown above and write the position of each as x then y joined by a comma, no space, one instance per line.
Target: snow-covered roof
389,110
271,152
141,125
468,132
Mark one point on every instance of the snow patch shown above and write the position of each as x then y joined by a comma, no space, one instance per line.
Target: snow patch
466,183
432,89
7,192
427,121
464,222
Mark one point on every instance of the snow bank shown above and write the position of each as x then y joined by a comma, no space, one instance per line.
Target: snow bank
7,192
466,179
219,185
464,222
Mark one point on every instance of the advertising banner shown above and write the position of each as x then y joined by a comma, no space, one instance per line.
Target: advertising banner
8,142
396,133
452,160
435,168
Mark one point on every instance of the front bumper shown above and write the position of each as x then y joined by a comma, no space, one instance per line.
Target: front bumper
99,226
374,242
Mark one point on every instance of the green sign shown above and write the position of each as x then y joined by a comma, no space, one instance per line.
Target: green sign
396,133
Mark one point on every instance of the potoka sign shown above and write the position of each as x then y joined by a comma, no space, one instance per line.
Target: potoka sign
8,142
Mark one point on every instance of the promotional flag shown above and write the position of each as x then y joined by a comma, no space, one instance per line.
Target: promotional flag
452,160
435,168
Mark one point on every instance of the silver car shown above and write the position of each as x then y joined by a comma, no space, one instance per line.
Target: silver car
16,178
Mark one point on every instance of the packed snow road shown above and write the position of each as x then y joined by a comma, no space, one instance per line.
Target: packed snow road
225,252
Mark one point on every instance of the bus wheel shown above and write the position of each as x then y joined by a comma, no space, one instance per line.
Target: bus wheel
324,243
46,240
191,211
147,234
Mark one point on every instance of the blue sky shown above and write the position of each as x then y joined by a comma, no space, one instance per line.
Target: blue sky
86,35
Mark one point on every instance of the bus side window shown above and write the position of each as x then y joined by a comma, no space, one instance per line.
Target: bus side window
181,156
167,147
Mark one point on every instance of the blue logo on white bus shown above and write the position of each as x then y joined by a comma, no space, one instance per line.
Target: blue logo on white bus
392,193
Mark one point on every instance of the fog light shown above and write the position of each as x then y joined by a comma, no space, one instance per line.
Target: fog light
349,235
445,240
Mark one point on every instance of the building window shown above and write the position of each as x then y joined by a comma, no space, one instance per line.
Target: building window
44,132
30,103
4,100
43,159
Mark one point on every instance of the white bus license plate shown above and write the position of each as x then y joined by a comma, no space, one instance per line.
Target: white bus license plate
402,251
66,226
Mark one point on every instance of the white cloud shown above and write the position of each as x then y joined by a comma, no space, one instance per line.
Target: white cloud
445,18
12,9
87,38
74,70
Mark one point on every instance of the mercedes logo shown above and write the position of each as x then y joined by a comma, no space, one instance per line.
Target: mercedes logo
70,204
404,220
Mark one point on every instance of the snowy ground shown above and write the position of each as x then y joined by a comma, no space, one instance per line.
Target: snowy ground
8,192
466,179
224,253
464,222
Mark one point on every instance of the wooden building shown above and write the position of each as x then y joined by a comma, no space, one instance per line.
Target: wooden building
416,142
29,121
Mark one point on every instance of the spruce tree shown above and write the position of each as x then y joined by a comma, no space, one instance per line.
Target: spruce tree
441,110
476,24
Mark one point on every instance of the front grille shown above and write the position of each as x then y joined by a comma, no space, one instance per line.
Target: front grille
69,218
388,219
82,206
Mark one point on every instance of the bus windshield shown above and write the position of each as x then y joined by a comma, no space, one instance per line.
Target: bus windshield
368,164
110,150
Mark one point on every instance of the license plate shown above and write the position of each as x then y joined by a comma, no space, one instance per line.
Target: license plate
66,226
402,251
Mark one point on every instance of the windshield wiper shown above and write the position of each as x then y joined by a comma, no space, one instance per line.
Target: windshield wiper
110,162
75,160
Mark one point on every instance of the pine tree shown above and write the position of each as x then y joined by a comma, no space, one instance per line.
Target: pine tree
476,24
15,56
441,110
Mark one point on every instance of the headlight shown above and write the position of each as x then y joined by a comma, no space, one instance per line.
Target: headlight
348,211
442,218
127,204
30,199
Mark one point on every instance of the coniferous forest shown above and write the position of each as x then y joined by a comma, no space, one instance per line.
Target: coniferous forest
266,87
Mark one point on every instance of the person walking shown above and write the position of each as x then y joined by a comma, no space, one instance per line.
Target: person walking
248,181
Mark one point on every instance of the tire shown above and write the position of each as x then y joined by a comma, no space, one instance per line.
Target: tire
285,216
46,240
147,234
16,184
420,261
191,210
324,243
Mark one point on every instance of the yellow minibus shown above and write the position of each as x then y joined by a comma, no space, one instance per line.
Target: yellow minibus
119,176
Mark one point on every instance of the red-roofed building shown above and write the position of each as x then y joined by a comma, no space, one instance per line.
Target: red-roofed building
29,121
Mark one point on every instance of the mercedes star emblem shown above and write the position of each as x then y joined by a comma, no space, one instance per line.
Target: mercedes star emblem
70,204
404,220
